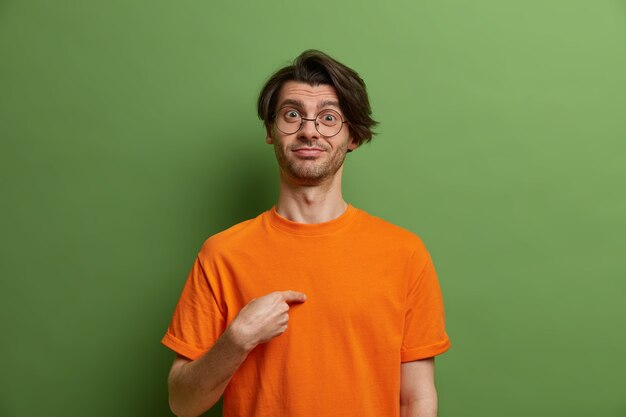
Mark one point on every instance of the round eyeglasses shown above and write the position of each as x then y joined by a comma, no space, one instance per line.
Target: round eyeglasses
327,122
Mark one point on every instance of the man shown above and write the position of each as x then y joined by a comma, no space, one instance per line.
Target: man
360,295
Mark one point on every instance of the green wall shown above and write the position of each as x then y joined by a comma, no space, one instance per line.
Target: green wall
128,136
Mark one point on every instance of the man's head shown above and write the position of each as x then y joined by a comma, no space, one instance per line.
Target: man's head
315,68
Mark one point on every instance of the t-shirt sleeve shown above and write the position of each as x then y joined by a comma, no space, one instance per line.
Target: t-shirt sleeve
198,321
424,327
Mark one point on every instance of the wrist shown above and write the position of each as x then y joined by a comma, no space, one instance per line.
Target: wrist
238,339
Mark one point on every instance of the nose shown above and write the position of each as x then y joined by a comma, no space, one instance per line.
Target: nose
308,129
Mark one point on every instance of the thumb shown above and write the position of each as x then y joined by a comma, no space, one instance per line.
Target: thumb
293,296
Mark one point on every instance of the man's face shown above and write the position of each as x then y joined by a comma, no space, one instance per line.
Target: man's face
307,156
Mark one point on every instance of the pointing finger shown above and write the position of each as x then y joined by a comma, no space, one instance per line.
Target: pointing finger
293,296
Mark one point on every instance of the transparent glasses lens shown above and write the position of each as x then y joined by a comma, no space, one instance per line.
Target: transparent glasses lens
327,122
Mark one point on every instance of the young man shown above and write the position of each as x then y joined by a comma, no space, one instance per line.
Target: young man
360,295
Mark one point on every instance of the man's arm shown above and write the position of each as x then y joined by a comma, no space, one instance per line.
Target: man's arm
418,396
195,386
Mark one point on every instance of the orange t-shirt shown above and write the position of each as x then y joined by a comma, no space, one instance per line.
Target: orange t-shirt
373,301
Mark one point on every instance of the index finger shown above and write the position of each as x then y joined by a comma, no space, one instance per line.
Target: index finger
293,296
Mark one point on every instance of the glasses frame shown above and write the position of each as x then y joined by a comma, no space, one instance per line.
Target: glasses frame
314,120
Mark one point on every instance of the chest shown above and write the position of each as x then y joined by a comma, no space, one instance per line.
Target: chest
343,288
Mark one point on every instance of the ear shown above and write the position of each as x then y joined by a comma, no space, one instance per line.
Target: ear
352,144
269,139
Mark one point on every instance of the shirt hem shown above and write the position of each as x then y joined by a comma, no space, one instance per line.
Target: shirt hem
424,352
181,347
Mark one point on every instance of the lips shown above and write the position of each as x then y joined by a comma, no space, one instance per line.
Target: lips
308,149
304,151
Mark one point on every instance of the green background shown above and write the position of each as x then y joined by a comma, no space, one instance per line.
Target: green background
128,136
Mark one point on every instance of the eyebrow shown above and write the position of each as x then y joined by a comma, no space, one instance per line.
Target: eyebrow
300,104
328,103
292,102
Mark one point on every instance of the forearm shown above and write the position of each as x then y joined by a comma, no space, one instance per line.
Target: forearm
425,407
194,387
418,395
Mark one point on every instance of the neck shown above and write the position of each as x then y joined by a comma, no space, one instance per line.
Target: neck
311,203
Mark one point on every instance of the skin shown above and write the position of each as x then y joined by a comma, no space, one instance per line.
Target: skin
310,171
310,181
418,396
195,386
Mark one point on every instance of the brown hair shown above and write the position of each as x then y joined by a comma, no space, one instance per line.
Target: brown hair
314,68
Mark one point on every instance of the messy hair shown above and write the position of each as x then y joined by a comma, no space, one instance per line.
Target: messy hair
314,68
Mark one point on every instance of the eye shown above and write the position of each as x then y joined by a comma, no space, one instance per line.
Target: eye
329,118
291,115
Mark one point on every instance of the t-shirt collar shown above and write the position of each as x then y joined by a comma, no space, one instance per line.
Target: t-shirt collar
315,229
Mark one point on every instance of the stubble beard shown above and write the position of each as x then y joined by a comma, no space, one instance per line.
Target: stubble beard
310,171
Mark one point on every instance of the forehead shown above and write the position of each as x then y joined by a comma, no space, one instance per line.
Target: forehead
309,95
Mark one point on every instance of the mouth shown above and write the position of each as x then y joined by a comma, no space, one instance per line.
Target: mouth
308,152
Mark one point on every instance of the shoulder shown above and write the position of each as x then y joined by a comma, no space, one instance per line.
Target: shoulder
236,236
390,234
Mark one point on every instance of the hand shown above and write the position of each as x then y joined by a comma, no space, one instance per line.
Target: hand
264,318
